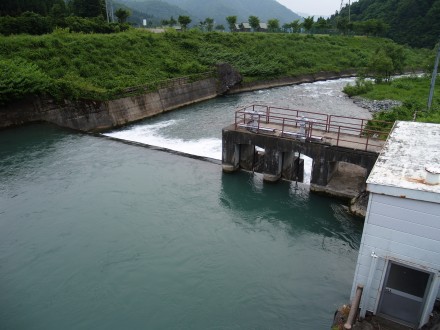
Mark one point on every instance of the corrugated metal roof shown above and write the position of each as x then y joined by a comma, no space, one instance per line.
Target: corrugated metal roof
400,169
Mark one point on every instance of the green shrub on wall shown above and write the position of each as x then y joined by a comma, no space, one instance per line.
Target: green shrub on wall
21,78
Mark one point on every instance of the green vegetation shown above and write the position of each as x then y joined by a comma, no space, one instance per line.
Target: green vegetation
97,66
21,78
412,22
38,17
413,91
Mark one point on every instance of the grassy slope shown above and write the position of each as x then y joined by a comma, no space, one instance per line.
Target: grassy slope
413,92
100,66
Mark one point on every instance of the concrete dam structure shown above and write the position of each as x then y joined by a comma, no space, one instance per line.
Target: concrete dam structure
271,140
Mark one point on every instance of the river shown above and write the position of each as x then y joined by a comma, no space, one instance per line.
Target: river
99,234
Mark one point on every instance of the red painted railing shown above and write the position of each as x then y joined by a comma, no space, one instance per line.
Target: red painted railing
312,125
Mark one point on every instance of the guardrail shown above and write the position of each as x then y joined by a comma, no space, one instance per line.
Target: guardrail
315,126
175,82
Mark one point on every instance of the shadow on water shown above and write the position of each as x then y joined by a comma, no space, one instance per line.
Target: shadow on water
29,143
288,204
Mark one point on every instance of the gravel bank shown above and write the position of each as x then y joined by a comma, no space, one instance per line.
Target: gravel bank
376,106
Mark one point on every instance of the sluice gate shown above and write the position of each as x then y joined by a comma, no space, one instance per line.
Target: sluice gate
271,140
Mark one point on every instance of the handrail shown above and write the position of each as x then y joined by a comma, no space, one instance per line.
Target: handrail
346,128
168,83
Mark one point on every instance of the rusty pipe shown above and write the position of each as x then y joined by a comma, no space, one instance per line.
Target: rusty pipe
354,307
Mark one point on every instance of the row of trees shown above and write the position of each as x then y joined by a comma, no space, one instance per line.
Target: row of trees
43,16
15,18
183,21
80,8
372,27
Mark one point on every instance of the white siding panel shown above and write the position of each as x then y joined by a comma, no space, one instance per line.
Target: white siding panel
358,280
405,252
364,270
405,226
400,229
408,238
381,264
409,204
405,215
365,260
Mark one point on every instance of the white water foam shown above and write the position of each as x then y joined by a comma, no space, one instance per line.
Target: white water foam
151,134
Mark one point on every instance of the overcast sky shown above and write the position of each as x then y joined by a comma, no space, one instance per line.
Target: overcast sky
314,7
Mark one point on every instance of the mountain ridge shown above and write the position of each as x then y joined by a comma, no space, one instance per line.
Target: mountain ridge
217,9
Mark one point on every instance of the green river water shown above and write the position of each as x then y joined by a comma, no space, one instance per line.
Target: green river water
100,234
97,234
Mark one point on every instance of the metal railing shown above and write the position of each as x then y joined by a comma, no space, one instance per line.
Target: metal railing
312,126
168,83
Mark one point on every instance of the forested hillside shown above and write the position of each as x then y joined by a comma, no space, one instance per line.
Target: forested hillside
153,10
98,66
412,22
218,9
17,7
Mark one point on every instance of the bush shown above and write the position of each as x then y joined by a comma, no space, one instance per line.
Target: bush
361,86
20,78
28,23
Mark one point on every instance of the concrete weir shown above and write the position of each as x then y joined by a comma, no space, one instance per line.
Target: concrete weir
335,168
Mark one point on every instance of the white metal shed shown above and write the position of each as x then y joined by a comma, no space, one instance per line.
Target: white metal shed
399,255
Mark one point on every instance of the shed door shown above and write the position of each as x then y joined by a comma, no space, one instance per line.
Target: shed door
403,293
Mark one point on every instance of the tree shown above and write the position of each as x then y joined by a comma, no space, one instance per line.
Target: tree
381,65
254,22
308,23
343,25
18,7
295,25
397,55
321,24
89,8
202,25
58,12
273,25
172,21
220,27
287,27
209,22
232,20
184,21
122,15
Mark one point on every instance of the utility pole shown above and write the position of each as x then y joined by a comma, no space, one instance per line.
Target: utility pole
109,10
349,11
434,76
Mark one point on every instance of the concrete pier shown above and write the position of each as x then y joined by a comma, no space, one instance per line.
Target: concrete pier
280,160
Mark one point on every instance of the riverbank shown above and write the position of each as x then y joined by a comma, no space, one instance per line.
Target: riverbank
376,106
86,115
103,67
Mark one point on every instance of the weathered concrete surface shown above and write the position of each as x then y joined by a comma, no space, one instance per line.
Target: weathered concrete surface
359,204
330,163
345,181
99,115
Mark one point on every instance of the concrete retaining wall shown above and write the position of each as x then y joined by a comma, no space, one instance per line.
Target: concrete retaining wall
100,115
